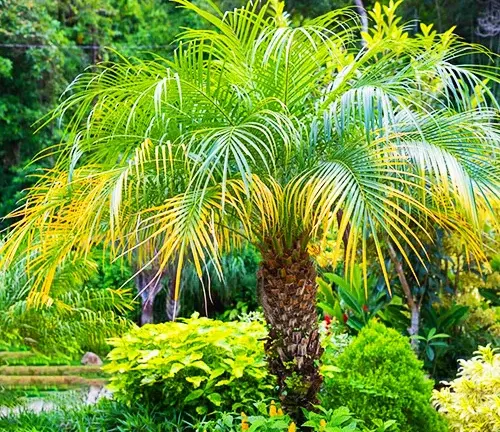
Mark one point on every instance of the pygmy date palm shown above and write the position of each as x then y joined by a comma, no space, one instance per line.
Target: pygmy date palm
258,131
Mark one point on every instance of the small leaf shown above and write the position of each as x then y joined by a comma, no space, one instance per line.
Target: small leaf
430,352
215,398
193,395
196,380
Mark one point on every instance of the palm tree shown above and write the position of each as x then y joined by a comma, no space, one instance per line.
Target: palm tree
258,131
72,320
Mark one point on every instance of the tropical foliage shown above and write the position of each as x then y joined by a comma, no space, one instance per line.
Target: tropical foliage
353,302
114,416
350,145
380,377
260,130
107,415
471,402
197,364
77,317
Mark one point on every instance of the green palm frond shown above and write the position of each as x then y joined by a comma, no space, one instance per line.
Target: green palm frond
71,319
257,130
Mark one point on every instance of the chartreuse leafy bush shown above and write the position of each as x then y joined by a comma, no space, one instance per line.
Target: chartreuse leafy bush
471,402
198,365
380,377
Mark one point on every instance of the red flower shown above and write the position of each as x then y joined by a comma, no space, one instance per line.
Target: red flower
345,317
365,308
328,320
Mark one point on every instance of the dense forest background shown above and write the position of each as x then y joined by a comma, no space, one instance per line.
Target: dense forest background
44,44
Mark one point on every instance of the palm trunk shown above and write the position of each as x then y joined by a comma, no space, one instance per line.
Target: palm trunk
147,312
172,306
288,288
149,284
412,304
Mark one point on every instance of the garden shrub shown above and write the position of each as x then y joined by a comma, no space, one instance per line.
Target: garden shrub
380,377
471,403
197,364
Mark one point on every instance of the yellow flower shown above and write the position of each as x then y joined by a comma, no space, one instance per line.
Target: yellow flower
292,427
244,422
272,409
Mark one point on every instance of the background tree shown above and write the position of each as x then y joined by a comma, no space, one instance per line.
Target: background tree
43,46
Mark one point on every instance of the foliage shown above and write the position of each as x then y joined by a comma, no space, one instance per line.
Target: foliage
356,299
114,416
262,419
471,402
9,399
44,44
30,82
272,419
380,377
257,130
225,298
460,300
197,364
334,341
479,292
340,420
77,317
448,290
325,253
24,356
227,154
432,341
107,415
439,324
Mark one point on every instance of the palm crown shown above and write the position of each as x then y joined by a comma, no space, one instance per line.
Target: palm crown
261,131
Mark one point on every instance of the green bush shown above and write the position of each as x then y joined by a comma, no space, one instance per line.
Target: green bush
198,365
380,377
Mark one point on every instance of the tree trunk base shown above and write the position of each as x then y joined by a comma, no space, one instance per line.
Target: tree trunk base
288,295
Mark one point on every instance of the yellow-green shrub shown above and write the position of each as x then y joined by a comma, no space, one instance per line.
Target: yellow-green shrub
471,403
196,364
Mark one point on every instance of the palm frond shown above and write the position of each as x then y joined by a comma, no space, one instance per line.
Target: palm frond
263,131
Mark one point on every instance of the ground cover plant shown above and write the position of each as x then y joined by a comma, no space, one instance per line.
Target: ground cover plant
264,132
112,416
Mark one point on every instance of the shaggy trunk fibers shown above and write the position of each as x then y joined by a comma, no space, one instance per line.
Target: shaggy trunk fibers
288,294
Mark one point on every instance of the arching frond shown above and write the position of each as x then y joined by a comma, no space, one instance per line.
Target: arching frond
260,130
